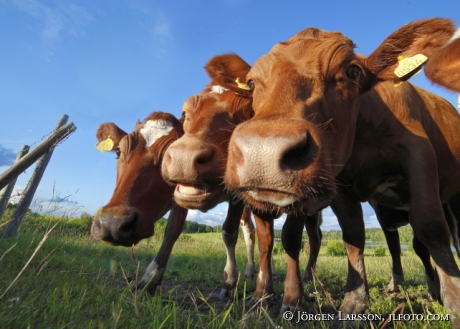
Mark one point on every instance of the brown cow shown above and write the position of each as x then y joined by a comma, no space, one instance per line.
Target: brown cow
443,67
318,138
197,161
142,197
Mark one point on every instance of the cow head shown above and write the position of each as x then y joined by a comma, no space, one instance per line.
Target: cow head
305,102
197,161
141,196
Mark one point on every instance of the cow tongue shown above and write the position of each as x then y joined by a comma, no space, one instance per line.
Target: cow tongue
191,189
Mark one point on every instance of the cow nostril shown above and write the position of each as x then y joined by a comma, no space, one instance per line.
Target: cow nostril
129,224
205,157
300,155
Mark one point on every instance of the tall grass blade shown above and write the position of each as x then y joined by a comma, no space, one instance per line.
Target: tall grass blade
47,234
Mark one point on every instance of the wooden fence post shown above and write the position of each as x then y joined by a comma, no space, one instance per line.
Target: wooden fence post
32,156
29,191
5,194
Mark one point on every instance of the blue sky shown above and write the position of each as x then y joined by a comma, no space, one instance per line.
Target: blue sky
100,61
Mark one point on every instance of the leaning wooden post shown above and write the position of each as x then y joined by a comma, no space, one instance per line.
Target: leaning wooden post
29,191
5,194
36,153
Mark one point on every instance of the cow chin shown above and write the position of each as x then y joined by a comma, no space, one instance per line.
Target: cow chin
198,196
270,201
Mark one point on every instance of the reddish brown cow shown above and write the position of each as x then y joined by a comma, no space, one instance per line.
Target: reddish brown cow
443,67
318,138
196,162
142,197
130,214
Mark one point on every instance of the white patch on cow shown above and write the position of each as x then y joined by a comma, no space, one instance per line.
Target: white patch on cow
152,270
454,37
261,275
249,272
218,89
154,129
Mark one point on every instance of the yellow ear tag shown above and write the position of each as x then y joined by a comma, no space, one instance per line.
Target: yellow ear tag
106,145
242,85
408,65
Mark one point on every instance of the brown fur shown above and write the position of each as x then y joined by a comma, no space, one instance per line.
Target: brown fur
443,67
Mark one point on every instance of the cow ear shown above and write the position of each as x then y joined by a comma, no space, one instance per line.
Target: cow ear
406,49
443,67
229,66
109,135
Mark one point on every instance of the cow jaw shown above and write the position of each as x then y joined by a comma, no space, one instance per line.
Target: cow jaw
198,196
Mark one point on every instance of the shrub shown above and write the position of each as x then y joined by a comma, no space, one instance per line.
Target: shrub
336,248
380,251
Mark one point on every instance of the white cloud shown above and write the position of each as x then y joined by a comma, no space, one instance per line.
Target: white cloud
52,22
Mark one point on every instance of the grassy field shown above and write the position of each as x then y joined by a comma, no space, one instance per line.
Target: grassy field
74,281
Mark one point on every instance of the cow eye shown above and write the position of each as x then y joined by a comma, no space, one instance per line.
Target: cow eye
353,72
117,152
183,115
251,114
250,83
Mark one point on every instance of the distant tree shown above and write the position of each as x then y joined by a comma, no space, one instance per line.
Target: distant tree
335,248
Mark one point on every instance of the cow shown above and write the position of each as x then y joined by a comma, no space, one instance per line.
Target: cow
142,197
330,127
196,162
443,67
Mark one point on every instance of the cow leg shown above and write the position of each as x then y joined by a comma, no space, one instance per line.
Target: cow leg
427,219
264,281
248,232
394,246
154,274
291,237
389,218
452,213
431,276
312,224
230,235
350,216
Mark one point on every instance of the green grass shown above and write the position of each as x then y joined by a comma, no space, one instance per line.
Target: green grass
75,281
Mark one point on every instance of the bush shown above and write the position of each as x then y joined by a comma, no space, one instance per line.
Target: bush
380,251
336,248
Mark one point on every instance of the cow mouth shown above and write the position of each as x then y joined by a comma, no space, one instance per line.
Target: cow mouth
190,190
198,196
277,198
266,200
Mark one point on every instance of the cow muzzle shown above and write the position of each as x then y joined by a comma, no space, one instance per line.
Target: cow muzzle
116,228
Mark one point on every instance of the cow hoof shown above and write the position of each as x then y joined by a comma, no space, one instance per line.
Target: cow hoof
224,294
307,279
392,288
141,287
249,273
290,309
252,302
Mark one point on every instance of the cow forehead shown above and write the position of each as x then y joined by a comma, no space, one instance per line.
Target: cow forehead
152,130
309,56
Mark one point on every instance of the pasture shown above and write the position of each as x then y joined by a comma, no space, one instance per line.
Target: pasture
74,281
